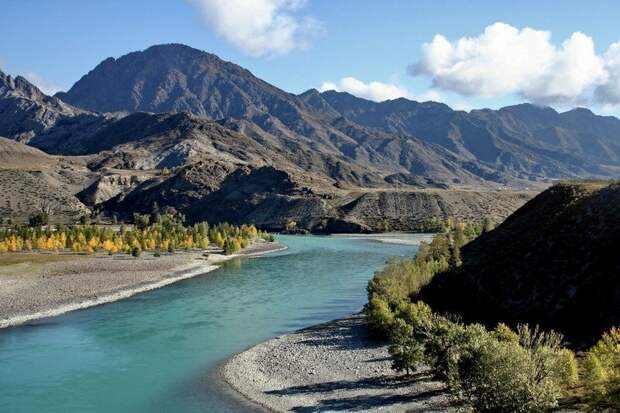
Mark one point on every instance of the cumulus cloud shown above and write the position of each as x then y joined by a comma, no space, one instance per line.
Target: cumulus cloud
608,93
260,27
46,87
377,91
507,60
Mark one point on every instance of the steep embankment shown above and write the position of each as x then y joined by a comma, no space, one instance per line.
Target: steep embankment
553,262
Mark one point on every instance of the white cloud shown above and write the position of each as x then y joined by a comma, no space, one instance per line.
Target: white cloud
260,27
377,91
46,87
609,92
506,60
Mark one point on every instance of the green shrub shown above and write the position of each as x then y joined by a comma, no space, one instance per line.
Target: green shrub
405,349
379,316
418,315
136,252
504,333
501,376
602,372
231,246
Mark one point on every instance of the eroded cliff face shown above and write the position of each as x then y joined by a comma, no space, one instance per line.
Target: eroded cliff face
109,186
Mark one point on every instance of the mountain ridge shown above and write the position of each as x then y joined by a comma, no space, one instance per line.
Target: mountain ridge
510,146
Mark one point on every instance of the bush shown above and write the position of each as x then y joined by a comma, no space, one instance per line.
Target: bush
602,372
231,246
501,376
141,221
379,316
136,252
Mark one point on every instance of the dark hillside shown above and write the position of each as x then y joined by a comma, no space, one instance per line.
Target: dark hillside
554,262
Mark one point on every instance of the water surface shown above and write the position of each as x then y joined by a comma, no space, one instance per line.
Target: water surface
159,351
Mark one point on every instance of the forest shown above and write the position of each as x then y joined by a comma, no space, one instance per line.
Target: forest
158,234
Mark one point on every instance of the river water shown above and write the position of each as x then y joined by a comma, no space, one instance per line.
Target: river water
159,351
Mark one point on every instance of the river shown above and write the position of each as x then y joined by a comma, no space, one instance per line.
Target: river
159,351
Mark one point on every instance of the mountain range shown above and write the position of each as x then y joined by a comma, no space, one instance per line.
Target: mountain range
173,126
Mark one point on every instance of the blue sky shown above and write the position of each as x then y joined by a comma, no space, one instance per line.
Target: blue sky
297,45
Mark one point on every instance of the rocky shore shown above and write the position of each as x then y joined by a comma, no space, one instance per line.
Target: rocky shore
334,366
53,285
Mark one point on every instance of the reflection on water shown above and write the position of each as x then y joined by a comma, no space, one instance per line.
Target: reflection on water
159,351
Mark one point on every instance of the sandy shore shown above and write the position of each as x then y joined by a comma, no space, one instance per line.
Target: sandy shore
41,288
392,237
330,367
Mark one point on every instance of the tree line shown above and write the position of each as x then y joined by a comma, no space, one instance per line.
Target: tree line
520,369
161,233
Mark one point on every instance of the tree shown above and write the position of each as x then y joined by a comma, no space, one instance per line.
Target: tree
141,221
602,367
406,351
231,246
455,255
38,220
136,251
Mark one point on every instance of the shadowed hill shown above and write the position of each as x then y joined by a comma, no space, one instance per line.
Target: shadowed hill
553,262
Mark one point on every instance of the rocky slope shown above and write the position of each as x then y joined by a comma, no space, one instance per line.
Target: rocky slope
524,140
553,262
32,181
28,115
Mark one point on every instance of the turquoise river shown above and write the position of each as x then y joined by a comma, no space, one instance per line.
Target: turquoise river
160,351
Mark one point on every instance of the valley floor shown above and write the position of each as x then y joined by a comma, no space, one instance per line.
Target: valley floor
38,285
331,367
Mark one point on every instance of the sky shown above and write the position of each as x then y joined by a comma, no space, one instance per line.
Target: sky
468,54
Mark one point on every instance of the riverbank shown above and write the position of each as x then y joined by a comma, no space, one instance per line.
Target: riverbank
401,238
34,286
334,366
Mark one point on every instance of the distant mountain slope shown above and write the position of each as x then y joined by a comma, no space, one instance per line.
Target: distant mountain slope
32,181
280,162
28,115
523,140
553,262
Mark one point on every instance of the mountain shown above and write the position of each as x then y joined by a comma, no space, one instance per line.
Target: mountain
515,146
179,127
175,78
553,262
